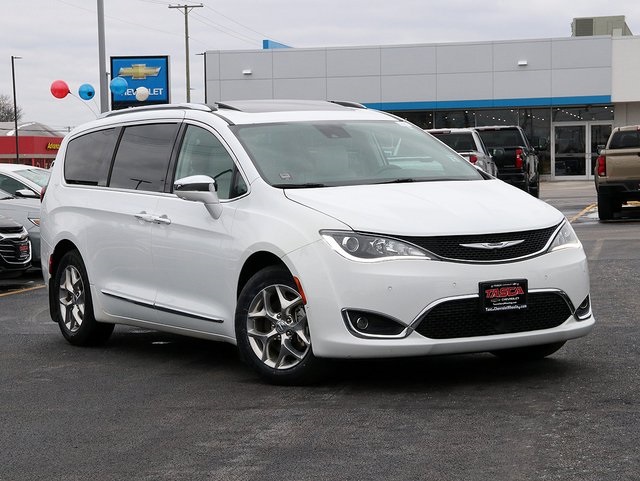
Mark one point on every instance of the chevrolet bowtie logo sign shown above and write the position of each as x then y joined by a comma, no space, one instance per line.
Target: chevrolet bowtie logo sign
139,71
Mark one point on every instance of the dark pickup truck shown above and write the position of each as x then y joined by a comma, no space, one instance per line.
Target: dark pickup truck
516,160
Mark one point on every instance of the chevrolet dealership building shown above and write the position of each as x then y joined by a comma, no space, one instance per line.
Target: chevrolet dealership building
567,93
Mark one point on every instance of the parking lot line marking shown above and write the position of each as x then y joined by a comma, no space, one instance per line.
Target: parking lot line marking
582,212
26,289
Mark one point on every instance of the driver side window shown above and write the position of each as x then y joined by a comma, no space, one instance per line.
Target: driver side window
202,153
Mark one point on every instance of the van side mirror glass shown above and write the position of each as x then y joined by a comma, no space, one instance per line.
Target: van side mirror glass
199,188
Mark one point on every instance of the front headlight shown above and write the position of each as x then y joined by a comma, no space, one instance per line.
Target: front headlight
565,238
370,247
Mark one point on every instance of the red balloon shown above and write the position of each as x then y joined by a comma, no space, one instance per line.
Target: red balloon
59,89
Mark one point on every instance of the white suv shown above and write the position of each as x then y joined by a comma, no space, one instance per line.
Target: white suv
300,231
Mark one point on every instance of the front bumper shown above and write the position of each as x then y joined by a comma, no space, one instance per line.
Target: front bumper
404,289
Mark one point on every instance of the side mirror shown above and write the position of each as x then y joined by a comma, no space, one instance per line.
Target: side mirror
497,152
26,193
199,188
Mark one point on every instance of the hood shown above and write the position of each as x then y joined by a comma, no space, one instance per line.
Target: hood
431,208
6,222
31,204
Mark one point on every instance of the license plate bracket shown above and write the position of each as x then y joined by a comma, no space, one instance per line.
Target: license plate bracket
503,295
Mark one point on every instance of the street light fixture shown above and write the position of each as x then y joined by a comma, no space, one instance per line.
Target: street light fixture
15,106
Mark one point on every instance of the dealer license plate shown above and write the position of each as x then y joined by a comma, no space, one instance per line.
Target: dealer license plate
507,295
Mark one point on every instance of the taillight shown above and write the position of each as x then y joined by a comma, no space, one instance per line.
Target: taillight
473,158
602,166
42,192
519,159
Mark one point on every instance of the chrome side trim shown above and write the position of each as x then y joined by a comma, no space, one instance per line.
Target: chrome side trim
157,307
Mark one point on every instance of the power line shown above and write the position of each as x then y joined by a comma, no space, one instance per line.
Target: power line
223,29
236,22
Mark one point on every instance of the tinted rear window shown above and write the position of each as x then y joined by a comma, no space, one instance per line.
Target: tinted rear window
501,138
142,160
625,139
460,142
88,158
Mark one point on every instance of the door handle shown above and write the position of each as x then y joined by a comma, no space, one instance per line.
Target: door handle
161,219
144,216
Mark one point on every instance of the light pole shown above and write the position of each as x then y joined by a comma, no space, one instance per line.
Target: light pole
15,106
104,87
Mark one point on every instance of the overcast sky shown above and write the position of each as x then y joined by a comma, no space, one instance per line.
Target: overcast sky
58,38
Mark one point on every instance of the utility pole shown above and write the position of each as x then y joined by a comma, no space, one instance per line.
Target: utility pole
187,9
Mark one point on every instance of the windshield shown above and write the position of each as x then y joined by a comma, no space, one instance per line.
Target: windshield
330,153
39,176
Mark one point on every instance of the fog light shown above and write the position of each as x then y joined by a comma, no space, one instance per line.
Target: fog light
362,323
372,325
584,310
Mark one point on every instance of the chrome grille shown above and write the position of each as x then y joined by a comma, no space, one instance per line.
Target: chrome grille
17,229
451,248
13,251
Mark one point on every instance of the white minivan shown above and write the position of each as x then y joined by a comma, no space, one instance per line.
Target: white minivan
302,231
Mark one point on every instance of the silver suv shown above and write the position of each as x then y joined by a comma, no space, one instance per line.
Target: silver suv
467,142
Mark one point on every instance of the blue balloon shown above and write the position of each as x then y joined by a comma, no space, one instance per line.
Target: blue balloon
86,92
118,86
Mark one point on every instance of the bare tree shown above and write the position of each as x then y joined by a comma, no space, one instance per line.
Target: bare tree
6,109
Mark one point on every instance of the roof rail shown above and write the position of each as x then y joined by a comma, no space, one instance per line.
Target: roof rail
346,103
228,106
182,106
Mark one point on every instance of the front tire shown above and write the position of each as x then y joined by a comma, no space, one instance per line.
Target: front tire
528,353
272,331
73,307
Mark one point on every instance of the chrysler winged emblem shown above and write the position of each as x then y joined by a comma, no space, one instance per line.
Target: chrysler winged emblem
493,245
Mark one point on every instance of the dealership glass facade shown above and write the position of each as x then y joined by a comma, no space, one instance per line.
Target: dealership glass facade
571,135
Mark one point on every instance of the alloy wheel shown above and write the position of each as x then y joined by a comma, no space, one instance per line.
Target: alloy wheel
71,296
277,327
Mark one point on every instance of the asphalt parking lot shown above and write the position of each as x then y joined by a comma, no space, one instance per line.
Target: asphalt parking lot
152,406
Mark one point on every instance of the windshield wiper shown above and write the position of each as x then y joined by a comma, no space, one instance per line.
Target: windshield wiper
399,181
308,185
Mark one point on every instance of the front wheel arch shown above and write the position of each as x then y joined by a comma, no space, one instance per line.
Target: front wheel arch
72,305
272,331
54,262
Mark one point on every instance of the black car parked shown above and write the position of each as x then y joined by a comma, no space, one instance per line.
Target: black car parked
15,248
514,156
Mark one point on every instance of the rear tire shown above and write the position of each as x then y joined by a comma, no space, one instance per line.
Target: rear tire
534,190
528,353
73,307
606,206
272,332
